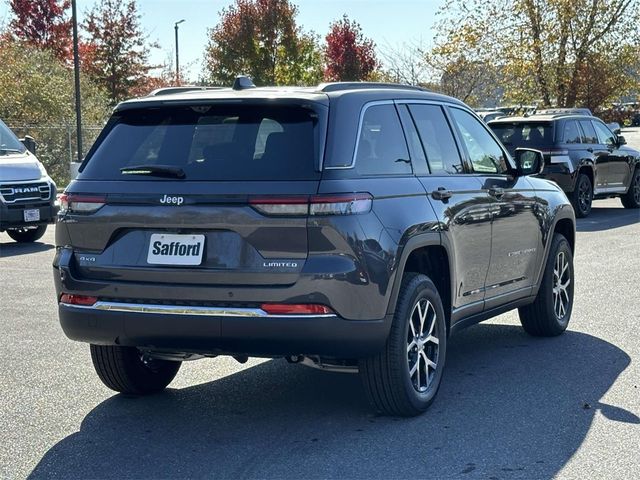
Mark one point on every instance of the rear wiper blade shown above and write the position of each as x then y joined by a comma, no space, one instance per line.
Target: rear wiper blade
154,171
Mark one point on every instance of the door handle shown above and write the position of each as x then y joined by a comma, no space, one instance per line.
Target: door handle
590,150
496,192
442,194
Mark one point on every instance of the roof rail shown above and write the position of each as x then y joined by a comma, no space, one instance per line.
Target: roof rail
242,82
338,86
560,115
174,90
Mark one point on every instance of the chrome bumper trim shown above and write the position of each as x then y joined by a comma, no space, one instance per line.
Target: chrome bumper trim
186,310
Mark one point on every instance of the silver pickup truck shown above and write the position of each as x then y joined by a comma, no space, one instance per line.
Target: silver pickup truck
27,193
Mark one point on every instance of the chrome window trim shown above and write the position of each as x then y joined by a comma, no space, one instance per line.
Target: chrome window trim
186,310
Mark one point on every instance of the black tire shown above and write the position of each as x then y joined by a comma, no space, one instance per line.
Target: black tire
631,199
388,383
582,196
545,317
123,369
27,235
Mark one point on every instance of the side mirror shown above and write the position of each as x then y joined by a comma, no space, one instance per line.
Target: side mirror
29,143
529,161
622,140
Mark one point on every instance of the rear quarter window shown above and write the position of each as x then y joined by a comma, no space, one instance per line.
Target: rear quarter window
382,148
571,132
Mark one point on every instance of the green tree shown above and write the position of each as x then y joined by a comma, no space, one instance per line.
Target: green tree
544,50
260,38
37,98
119,49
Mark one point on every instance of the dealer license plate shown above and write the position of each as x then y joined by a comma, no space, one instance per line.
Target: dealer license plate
169,249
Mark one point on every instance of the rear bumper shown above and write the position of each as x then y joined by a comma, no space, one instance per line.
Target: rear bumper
223,333
13,216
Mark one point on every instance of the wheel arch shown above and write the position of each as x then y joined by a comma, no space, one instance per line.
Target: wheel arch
565,224
427,255
566,227
588,168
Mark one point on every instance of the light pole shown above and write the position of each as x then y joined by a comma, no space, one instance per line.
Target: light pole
177,53
76,71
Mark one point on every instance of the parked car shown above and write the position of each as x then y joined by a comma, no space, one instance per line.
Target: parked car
349,226
488,116
27,193
564,111
581,154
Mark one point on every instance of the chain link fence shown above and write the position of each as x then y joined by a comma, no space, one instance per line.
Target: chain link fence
57,146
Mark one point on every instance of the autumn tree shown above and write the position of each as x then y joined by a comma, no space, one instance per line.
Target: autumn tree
43,24
349,55
119,49
543,50
37,99
260,38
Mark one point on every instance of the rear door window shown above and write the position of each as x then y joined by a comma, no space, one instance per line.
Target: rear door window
382,148
222,142
588,131
437,139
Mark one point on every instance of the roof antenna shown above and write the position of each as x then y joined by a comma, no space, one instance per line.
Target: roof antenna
242,82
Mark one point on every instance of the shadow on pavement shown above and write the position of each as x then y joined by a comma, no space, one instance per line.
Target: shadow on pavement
604,218
12,249
510,406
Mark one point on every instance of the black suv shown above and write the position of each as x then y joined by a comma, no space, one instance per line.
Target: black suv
349,227
582,155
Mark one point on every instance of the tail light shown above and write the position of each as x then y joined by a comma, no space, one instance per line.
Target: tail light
71,202
296,309
290,206
317,205
82,300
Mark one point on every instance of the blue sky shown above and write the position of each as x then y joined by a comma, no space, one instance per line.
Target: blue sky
388,23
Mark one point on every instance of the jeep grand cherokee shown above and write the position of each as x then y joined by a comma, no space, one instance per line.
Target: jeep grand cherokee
345,226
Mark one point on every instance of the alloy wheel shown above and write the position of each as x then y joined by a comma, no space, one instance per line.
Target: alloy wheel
636,189
584,196
561,282
422,345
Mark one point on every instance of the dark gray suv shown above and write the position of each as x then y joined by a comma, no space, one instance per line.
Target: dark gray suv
347,226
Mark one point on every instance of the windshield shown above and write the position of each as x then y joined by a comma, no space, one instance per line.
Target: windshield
9,143
205,143
524,134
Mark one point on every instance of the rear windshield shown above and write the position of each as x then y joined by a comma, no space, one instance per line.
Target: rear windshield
9,143
220,142
521,134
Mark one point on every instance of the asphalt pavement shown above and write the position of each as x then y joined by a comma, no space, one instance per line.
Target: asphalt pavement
510,406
